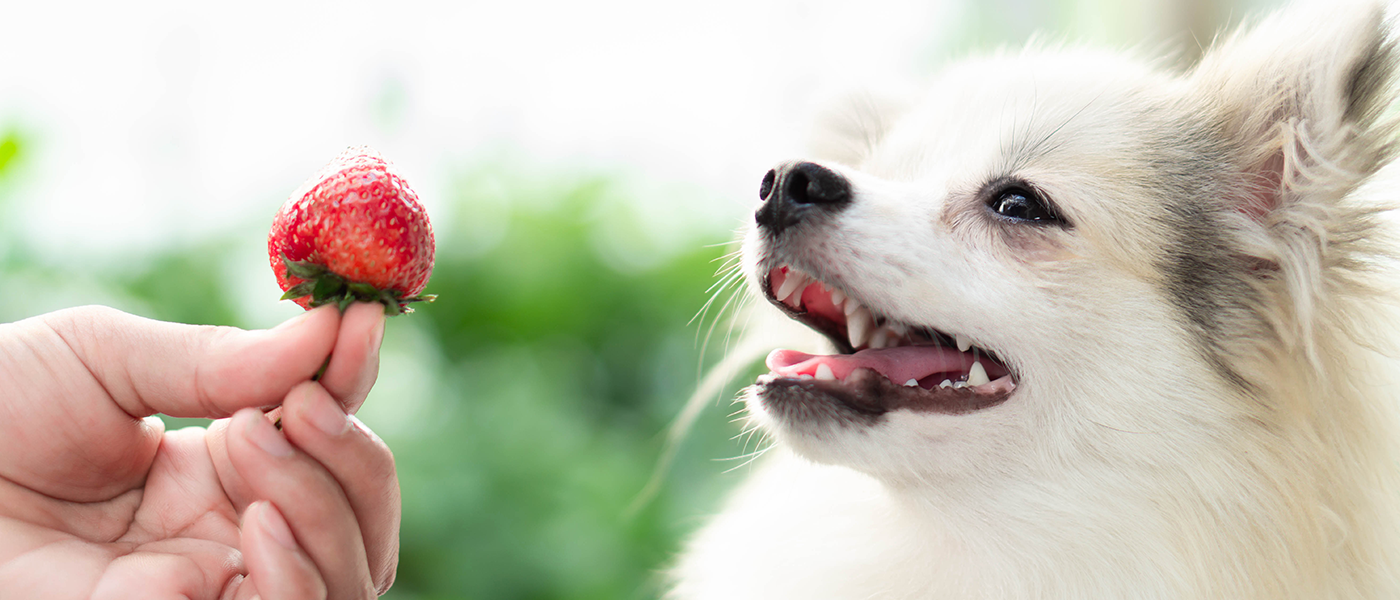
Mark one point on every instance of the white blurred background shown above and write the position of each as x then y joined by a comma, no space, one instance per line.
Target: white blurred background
156,120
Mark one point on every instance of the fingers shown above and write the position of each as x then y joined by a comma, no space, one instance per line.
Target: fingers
80,376
277,566
319,514
355,360
360,462
149,366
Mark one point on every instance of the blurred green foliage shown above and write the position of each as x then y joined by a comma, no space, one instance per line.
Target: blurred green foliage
526,406
12,150
560,372
9,149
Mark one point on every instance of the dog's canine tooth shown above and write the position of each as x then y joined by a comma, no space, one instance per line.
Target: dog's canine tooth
824,373
977,375
858,325
963,343
796,280
851,306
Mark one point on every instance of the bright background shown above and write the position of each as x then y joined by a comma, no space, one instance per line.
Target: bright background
584,164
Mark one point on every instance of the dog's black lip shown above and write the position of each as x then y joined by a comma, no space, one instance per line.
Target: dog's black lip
867,396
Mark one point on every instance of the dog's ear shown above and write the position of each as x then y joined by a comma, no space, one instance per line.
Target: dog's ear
1299,111
848,127
1300,101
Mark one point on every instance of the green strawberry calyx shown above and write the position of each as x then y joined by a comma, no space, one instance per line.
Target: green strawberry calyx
326,287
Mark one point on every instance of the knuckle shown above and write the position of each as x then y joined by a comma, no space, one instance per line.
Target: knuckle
379,459
91,312
82,327
214,380
382,465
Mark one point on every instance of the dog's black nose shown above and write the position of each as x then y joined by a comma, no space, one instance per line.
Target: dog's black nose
795,191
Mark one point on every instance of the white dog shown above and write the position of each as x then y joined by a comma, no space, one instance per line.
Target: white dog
1094,330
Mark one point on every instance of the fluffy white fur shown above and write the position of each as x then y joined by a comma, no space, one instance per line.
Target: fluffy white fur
1206,403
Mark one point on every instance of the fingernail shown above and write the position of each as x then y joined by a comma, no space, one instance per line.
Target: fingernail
276,527
360,425
325,414
268,439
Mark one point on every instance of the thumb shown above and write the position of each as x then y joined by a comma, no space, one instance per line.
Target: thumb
149,366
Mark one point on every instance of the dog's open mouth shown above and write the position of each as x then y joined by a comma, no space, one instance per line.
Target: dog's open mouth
884,364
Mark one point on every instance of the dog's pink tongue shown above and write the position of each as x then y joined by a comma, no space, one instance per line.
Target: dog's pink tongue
898,364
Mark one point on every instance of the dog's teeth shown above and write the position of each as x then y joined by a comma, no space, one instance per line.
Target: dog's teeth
960,385
947,383
851,306
881,338
805,377
899,329
837,297
977,375
824,373
858,326
963,344
911,383
796,280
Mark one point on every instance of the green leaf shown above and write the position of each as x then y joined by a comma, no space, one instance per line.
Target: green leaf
304,269
301,289
328,287
391,304
364,291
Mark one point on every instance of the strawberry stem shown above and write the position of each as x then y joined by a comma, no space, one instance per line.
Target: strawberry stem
321,372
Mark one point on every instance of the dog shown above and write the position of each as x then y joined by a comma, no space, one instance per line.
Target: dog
1092,329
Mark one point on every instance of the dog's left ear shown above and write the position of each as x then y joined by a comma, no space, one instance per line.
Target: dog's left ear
1299,101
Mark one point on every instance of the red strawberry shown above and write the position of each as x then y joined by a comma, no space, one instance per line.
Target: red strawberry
355,231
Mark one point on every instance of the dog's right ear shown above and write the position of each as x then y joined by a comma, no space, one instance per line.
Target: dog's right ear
1298,108
1300,98
847,130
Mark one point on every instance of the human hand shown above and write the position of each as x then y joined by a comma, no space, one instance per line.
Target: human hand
98,500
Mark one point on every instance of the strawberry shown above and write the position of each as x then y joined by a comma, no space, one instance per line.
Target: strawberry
355,231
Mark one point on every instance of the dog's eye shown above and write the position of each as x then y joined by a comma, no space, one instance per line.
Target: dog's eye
1021,204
